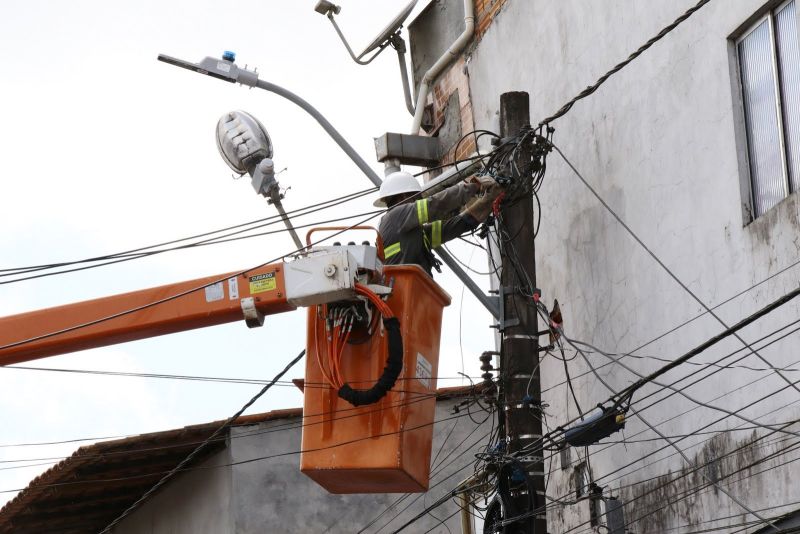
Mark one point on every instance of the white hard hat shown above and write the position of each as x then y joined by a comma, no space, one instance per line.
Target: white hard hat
396,183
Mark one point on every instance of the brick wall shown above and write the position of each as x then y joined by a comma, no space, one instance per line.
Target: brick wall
485,11
456,79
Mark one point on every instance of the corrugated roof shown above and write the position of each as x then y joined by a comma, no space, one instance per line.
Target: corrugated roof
88,490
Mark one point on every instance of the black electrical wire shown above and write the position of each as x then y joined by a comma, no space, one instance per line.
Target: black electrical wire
662,264
208,242
273,219
171,297
239,462
700,488
636,461
195,378
680,392
146,251
273,429
685,323
620,396
202,446
718,369
438,471
710,424
674,445
338,415
701,428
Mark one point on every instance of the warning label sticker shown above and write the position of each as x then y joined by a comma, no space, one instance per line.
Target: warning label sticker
233,288
215,292
424,371
262,282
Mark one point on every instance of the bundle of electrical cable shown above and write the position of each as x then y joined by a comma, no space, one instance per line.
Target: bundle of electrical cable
339,324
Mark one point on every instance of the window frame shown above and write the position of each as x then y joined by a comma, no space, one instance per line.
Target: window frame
747,185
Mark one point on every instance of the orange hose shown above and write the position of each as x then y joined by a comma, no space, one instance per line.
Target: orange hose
319,359
338,341
386,312
334,350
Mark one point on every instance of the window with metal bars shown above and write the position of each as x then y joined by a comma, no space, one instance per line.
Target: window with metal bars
769,70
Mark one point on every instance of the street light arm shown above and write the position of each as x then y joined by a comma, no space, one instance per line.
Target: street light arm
227,70
327,126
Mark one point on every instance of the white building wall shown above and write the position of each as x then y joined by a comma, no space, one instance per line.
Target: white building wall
274,496
198,502
661,143
259,495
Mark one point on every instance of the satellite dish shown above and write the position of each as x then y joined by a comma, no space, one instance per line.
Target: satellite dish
389,30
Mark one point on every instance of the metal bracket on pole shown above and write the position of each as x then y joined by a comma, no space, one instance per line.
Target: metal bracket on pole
226,70
504,323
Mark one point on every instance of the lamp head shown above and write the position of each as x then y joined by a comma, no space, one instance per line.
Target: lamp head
242,141
324,7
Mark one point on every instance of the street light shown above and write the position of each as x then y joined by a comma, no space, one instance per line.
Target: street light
244,144
225,69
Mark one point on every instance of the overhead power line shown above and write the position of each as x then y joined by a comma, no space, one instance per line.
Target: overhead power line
203,445
197,378
622,395
337,415
680,451
218,240
257,223
239,462
171,297
664,266
627,392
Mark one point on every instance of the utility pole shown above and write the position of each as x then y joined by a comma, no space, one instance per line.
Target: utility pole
520,387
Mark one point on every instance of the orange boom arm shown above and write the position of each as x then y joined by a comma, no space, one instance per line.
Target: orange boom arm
142,314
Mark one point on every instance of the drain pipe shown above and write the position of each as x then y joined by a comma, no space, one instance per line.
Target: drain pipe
452,53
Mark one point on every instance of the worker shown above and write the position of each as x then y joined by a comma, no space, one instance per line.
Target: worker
413,226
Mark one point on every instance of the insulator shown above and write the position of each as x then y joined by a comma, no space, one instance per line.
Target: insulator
486,366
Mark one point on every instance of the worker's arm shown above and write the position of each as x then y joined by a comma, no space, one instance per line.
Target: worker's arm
436,207
440,232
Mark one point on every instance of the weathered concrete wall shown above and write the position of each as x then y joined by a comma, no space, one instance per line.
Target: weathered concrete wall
661,142
272,495
195,502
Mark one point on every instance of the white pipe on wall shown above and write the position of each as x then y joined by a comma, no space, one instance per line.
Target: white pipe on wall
451,53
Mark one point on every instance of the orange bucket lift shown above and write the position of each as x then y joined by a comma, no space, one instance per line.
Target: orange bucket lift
372,357
377,445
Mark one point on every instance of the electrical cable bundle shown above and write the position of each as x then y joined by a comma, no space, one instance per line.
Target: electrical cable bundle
339,324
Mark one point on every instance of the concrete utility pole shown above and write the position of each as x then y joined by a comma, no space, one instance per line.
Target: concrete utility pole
521,417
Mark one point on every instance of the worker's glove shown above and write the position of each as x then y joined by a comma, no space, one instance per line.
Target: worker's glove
482,207
483,182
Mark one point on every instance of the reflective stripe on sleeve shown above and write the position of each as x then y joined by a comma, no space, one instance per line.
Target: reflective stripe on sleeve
422,211
391,250
436,234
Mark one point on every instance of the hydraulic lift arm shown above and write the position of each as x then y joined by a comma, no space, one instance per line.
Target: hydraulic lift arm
324,275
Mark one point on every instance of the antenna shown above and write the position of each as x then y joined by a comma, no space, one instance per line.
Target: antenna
389,36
